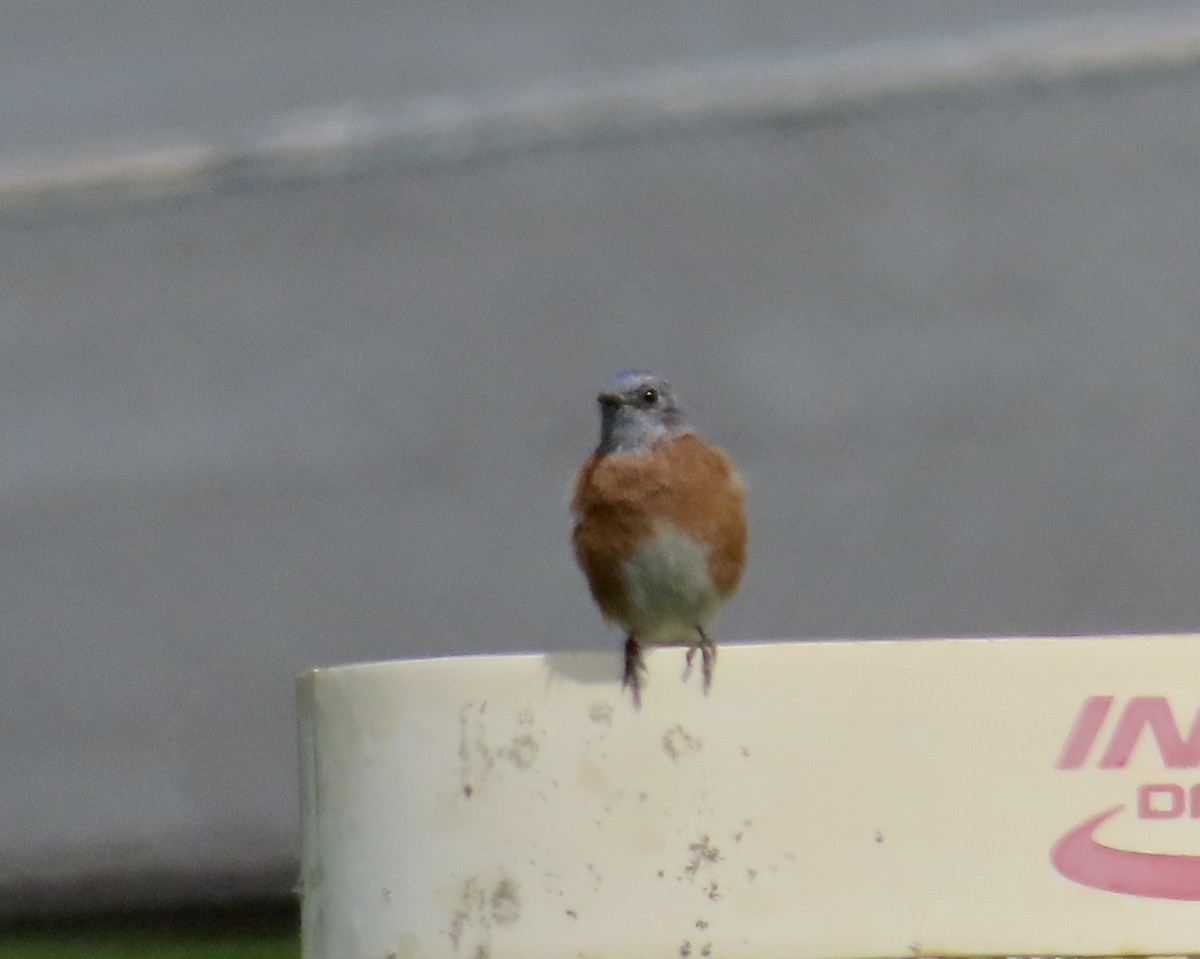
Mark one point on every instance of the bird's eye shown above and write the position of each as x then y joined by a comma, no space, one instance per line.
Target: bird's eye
650,396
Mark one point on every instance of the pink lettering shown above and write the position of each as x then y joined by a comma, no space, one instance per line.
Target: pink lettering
1155,712
1083,734
1148,809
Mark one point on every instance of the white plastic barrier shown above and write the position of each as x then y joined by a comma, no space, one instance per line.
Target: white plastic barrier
876,798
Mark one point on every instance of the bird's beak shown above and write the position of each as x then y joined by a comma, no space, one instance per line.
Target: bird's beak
610,400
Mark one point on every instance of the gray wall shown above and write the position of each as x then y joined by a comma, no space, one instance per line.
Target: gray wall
317,402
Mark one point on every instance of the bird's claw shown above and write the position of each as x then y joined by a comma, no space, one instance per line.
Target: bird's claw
634,667
708,656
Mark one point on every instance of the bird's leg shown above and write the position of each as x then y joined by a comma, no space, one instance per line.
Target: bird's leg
634,667
708,656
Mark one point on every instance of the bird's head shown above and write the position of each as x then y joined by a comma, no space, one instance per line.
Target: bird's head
638,410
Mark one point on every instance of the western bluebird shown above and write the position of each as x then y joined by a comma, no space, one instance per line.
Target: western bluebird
660,532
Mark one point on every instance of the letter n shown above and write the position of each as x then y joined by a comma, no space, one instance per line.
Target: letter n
1155,712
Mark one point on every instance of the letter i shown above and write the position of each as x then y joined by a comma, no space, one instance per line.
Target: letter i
1083,735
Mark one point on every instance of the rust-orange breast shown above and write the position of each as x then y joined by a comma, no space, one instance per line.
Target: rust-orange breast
619,498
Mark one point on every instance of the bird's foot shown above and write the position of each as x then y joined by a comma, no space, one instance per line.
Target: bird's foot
708,656
634,667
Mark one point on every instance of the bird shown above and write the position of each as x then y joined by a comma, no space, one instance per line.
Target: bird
660,524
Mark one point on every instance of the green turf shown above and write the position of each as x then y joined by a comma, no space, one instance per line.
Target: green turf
147,945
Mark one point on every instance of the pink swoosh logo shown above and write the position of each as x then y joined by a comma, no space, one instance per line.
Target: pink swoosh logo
1080,858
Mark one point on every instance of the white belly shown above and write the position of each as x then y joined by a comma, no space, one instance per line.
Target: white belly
668,588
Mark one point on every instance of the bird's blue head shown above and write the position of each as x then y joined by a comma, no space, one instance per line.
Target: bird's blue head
638,410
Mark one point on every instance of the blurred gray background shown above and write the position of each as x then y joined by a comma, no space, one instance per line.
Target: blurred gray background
304,310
